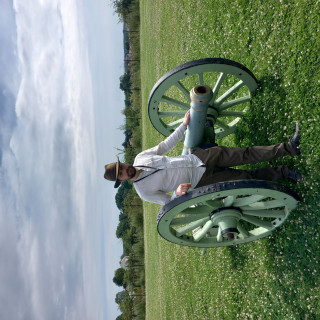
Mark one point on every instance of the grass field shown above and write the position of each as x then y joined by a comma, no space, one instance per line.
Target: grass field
277,277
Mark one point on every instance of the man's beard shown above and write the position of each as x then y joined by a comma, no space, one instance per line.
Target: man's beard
131,171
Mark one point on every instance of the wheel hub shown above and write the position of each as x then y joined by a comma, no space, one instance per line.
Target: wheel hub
227,219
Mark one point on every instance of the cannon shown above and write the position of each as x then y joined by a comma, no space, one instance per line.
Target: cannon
218,92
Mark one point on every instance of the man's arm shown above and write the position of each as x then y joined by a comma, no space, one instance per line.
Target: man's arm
159,197
171,141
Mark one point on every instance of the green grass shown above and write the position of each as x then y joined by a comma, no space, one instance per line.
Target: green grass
277,277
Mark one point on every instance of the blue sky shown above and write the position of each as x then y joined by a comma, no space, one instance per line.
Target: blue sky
60,106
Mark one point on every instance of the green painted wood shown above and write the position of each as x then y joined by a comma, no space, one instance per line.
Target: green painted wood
254,208
213,72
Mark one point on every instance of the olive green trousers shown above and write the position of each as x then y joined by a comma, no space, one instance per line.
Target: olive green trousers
219,159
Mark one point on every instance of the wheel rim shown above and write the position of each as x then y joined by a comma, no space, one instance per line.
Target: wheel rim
246,209
231,83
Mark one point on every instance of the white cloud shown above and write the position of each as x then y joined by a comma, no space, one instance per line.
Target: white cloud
57,214
47,173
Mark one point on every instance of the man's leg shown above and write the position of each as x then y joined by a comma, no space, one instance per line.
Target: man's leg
224,157
229,174
228,157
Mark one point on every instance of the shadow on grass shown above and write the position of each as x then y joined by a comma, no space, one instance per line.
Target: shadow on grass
293,251
238,258
268,109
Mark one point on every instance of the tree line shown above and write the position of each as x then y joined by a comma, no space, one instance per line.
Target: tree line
131,299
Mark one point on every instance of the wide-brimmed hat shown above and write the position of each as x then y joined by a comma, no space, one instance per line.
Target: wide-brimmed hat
112,171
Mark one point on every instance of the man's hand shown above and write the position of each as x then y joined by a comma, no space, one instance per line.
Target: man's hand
182,189
186,119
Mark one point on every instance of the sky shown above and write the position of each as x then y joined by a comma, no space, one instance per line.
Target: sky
60,104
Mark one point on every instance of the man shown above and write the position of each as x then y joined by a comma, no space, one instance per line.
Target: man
155,175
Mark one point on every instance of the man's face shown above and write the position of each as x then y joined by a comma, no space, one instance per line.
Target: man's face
126,172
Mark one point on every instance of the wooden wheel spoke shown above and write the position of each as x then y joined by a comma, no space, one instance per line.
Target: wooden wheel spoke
197,210
174,124
165,114
248,200
219,236
213,204
175,102
183,89
243,231
229,104
265,213
188,219
189,227
258,222
217,86
205,208
231,114
222,124
228,201
229,93
264,205
200,78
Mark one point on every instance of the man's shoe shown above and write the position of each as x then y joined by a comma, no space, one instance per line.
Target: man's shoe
294,175
295,140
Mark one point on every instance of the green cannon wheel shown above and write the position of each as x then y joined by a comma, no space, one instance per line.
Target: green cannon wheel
232,85
226,213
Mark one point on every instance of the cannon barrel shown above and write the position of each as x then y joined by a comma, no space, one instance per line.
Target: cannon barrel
200,98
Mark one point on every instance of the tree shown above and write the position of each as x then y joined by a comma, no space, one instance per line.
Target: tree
118,278
124,188
125,83
126,307
122,228
122,8
120,296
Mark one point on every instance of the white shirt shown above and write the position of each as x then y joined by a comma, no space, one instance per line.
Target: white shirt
177,170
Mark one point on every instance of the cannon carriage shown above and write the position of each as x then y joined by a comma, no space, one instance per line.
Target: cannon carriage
217,92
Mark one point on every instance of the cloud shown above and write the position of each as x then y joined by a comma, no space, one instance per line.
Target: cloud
47,170
8,57
9,80
14,295
7,118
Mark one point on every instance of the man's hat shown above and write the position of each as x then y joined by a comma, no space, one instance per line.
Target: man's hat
112,171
